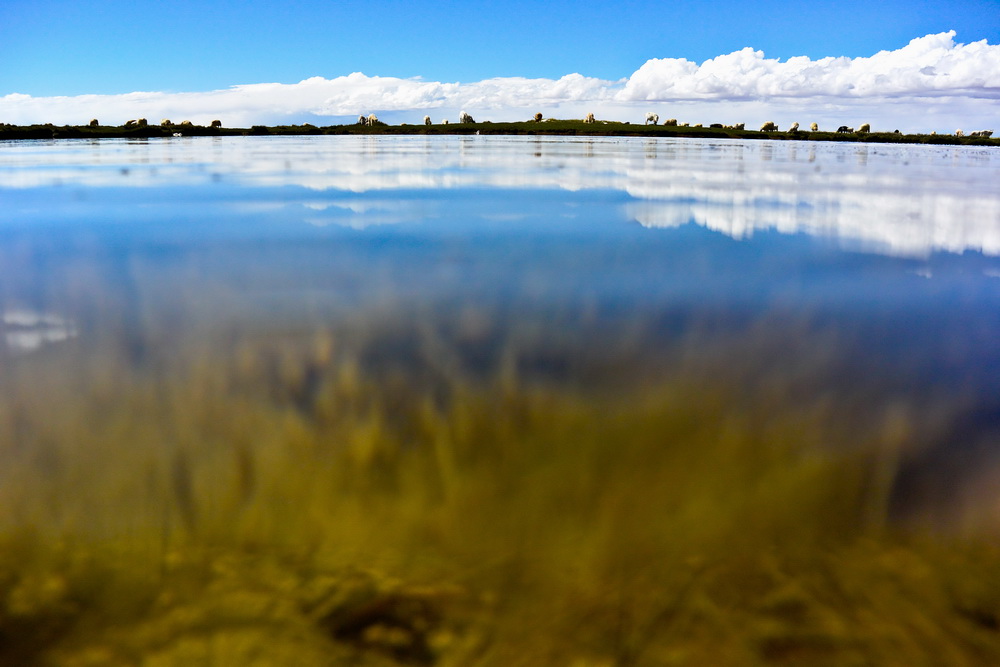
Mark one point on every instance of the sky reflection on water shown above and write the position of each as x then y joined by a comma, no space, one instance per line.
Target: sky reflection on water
900,200
630,224
860,276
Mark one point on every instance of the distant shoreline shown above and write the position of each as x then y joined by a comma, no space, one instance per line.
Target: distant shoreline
542,128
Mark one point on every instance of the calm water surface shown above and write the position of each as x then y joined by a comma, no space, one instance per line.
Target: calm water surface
865,276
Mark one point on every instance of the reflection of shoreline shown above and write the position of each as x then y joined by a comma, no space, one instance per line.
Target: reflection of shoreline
909,200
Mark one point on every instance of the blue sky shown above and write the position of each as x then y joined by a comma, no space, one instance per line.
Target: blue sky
54,48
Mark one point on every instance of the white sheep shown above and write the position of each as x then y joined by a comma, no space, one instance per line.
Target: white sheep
589,118
372,119
445,121
427,120
769,126
865,129
129,123
814,127
465,118
985,134
93,122
794,127
652,118
142,122
216,123
165,122
959,133
740,126
670,122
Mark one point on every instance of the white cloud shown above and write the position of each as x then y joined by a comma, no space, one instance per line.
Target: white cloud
932,83
930,66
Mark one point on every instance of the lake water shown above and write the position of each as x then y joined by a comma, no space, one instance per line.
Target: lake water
860,282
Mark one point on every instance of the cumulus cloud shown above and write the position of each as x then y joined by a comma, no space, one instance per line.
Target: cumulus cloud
930,66
932,76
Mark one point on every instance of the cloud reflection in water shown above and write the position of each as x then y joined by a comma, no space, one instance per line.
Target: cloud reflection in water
901,200
27,330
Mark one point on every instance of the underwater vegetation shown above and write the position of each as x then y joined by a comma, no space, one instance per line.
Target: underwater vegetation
494,425
463,487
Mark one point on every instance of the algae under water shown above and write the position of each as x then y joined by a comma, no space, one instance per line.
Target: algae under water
498,400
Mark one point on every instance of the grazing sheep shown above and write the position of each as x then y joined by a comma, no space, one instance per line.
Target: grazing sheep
959,133
142,122
465,118
670,122
697,124
814,127
865,129
682,124
186,123
589,118
652,118
427,120
165,122
538,117
717,126
769,126
216,123
372,119
445,121
362,120
794,127
985,134
844,128
740,126
93,122
130,123
896,132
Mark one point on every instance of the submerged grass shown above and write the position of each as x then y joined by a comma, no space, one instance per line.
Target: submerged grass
280,498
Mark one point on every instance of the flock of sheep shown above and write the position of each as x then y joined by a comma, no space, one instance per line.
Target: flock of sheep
372,120
166,122
770,126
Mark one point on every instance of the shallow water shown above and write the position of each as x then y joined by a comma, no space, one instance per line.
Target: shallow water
492,401
866,276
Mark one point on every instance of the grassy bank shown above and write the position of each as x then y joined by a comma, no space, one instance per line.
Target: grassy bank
547,127
353,495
